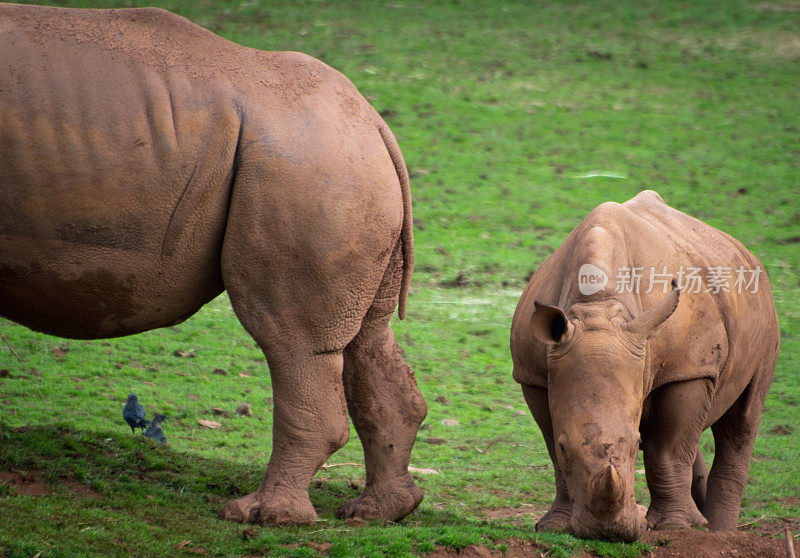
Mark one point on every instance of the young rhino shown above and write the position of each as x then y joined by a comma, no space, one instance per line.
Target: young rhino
606,352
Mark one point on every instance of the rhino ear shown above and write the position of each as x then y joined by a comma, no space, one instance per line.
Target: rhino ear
550,324
646,325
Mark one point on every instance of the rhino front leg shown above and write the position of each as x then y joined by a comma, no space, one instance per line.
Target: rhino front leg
386,407
558,516
671,432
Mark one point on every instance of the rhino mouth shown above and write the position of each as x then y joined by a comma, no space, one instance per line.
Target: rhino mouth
610,512
627,526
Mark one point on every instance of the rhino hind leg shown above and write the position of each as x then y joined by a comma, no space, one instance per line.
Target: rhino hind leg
558,516
386,406
734,439
302,272
699,480
302,314
670,438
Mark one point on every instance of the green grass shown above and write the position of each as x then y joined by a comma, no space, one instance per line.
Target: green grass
500,108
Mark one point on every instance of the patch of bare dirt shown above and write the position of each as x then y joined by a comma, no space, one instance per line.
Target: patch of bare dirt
81,490
668,544
26,483
713,544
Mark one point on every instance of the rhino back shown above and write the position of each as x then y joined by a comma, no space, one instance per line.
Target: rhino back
707,335
116,150
725,333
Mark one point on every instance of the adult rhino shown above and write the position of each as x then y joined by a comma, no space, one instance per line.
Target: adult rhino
602,362
147,164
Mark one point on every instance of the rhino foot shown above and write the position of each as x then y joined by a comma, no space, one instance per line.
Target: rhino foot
260,508
666,521
385,505
556,519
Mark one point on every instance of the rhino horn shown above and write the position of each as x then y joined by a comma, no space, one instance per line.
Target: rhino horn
611,490
646,323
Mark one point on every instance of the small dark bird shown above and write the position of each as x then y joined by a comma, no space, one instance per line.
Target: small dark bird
133,413
154,431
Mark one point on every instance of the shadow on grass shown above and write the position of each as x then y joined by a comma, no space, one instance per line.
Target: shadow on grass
104,494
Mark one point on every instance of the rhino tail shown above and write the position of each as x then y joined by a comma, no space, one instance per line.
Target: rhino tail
407,232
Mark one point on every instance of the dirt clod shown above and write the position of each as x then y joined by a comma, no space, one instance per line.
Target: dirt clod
781,429
27,483
249,534
244,410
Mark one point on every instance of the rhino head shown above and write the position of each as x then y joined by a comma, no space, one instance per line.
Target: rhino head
596,388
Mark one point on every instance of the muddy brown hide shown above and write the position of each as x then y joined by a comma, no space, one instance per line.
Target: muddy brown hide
606,367
147,164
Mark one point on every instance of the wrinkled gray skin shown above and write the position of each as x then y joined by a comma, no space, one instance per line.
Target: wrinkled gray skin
147,164
600,370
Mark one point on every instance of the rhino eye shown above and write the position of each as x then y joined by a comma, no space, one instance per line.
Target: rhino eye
562,448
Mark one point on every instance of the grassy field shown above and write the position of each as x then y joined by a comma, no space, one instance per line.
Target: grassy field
515,121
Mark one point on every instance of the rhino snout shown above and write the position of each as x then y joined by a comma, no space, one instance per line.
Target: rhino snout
627,526
610,512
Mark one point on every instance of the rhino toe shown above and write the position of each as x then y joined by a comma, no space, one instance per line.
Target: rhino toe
389,505
243,510
556,519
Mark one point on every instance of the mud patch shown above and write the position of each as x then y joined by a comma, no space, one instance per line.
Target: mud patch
667,544
716,544
27,483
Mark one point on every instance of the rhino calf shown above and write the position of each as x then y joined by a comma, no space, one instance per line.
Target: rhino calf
645,325
147,164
